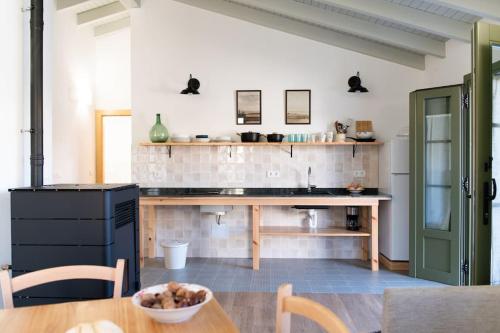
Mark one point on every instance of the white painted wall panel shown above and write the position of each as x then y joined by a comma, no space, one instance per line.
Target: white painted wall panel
11,109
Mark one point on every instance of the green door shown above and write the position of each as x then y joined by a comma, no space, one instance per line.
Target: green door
486,152
436,184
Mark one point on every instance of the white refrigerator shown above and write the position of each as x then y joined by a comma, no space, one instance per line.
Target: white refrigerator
394,214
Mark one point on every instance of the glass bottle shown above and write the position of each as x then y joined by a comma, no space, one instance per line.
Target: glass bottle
158,132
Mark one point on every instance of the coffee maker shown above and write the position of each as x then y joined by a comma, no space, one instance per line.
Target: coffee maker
352,220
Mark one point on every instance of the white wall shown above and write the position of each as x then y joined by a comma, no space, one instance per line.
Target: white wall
74,100
95,73
91,73
11,106
227,54
450,70
112,78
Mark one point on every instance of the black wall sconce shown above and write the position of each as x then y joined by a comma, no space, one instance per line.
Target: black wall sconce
355,84
192,86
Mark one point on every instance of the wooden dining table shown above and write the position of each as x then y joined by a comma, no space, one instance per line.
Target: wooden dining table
56,318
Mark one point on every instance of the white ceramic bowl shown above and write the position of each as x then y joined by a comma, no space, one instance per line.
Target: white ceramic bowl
171,315
364,135
202,140
223,138
180,139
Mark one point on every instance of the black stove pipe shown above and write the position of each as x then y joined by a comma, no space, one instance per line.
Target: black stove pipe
36,114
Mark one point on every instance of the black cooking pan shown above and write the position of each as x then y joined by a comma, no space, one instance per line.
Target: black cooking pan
275,137
249,136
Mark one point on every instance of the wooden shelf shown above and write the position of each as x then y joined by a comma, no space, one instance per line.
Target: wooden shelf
306,232
284,144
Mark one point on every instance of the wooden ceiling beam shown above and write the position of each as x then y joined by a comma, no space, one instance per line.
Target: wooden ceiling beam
312,32
67,4
351,25
131,3
96,14
483,8
417,19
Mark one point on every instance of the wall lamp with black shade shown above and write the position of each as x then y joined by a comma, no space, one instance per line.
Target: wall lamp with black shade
355,84
192,86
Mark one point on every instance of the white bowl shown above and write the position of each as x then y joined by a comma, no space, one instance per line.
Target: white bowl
169,316
180,139
223,138
202,140
364,135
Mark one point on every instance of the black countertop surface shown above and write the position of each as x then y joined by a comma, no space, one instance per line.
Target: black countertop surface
76,187
253,192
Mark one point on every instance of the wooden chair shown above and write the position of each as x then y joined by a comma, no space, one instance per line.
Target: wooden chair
288,304
10,286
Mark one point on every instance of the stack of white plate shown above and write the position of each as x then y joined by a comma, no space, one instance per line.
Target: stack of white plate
203,140
224,138
180,138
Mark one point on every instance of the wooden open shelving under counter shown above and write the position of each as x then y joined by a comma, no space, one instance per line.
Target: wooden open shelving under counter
368,236
307,232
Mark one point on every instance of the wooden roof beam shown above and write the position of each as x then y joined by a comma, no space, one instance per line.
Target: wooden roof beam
313,32
96,14
67,4
131,3
484,8
417,19
351,25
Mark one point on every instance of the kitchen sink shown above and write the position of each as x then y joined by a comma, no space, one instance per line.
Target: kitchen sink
312,192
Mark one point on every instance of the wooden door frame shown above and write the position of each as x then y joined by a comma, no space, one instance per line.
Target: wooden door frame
99,149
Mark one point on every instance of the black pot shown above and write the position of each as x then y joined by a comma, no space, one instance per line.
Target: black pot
275,137
249,137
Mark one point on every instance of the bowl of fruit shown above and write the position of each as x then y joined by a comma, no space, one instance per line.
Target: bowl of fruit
355,188
172,302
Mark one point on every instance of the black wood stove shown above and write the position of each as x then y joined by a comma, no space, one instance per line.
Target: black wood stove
58,225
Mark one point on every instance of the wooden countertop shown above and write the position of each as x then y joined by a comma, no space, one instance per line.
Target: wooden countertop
264,201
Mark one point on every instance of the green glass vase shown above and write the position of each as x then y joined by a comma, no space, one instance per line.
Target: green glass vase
158,132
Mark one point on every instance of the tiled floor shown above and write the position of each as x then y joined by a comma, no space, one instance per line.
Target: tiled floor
306,275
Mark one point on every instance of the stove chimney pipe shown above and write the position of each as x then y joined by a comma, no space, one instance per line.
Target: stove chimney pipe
36,114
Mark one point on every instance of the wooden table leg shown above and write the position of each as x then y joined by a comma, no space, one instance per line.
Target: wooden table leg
256,212
374,237
141,234
152,232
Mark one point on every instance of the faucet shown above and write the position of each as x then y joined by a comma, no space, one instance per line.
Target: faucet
309,186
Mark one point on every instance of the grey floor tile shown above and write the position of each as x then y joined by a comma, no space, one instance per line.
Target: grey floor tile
306,275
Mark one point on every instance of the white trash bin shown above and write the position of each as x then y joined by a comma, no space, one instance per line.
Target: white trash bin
175,254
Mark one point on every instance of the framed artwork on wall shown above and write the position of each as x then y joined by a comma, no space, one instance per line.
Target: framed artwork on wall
298,107
248,107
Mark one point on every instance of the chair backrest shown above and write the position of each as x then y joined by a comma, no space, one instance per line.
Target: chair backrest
10,286
288,304
446,309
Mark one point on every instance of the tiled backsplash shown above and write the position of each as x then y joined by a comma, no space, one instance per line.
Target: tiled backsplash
215,166
247,167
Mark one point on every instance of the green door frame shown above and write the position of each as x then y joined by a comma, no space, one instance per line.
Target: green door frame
484,35
467,202
426,243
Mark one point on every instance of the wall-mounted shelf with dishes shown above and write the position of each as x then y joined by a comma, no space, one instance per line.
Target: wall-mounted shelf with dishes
170,144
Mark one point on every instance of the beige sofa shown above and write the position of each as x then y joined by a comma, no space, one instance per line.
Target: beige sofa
436,310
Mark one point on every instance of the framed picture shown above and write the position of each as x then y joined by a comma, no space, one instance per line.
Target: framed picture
248,107
297,107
